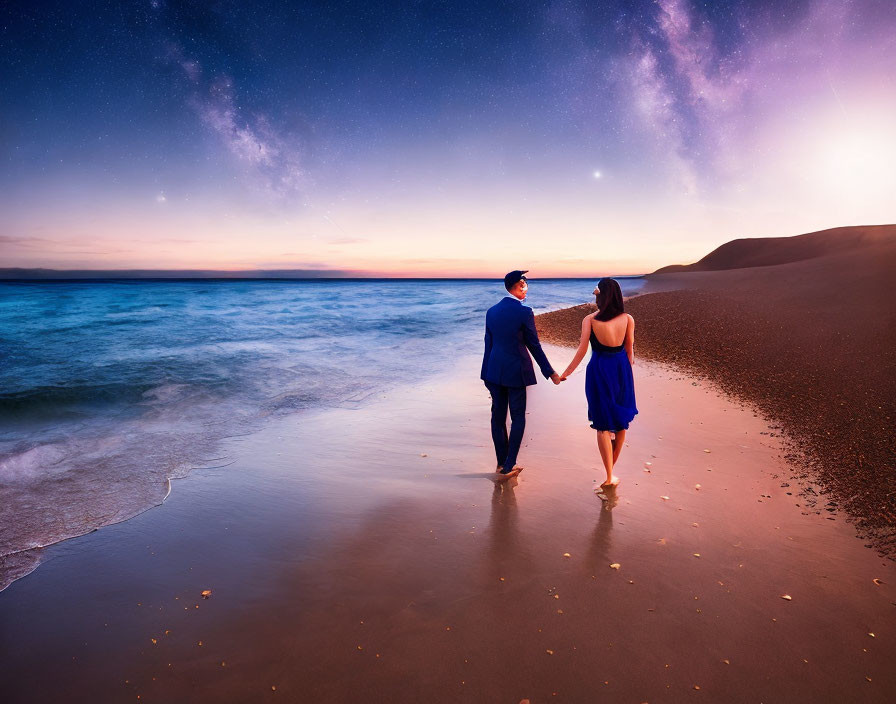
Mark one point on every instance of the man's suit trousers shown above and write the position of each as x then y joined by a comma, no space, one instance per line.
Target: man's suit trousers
507,446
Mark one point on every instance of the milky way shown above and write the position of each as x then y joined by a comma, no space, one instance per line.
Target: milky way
437,136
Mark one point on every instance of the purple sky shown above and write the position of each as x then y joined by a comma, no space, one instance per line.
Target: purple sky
462,138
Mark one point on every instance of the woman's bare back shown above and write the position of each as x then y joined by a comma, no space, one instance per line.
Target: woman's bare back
611,333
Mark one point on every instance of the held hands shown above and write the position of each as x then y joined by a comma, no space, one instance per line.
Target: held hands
556,378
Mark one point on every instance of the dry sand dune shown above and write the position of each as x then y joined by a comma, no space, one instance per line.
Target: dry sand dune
770,251
812,343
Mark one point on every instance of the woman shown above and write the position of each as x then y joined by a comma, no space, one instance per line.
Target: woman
609,384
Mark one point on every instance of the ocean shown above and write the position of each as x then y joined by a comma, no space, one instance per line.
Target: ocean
110,389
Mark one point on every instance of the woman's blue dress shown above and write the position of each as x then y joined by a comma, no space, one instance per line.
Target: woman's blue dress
609,387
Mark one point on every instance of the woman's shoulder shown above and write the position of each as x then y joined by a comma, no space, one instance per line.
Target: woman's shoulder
622,316
589,318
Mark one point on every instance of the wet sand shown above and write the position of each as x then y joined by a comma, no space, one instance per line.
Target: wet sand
346,566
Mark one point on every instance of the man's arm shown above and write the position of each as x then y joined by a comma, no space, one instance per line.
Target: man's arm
530,337
488,351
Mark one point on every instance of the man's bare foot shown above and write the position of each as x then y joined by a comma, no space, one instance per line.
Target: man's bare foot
503,477
516,467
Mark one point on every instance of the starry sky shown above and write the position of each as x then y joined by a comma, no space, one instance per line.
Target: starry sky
456,138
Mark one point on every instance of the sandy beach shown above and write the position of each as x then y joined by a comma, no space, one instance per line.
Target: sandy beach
367,555
809,342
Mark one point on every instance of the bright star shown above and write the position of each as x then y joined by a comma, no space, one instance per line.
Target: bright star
596,174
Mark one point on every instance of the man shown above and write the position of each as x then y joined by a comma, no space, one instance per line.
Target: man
507,368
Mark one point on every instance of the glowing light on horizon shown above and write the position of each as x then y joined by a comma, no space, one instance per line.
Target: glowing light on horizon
857,161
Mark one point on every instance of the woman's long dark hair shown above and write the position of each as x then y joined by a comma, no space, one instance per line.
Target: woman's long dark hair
609,299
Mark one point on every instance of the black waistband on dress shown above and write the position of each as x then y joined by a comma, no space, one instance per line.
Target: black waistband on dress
600,347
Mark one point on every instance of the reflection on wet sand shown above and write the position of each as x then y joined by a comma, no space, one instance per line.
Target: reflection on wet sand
599,548
609,496
503,545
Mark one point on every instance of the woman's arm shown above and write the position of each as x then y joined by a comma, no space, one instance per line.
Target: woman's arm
583,347
630,339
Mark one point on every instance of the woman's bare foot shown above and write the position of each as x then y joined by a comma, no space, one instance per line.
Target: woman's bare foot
613,482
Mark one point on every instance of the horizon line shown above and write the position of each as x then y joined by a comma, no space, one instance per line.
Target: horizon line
62,279
44,274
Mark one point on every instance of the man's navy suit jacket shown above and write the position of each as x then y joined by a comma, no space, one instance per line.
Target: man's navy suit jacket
509,332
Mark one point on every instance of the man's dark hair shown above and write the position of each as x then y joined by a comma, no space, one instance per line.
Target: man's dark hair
513,278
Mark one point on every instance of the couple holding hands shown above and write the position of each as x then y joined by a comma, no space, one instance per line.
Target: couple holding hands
510,336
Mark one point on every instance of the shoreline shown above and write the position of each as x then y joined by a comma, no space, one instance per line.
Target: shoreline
407,577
